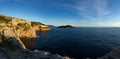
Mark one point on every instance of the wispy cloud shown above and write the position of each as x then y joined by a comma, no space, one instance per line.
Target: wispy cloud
91,9
18,0
11,0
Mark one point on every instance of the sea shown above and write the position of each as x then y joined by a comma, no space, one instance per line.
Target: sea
78,43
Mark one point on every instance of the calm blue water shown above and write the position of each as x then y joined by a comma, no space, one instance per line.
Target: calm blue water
78,43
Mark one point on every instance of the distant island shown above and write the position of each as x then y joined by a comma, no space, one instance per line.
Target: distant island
65,26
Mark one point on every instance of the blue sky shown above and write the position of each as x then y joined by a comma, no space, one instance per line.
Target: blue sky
83,13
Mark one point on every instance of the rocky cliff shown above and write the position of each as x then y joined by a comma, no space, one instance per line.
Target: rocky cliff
22,27
11,47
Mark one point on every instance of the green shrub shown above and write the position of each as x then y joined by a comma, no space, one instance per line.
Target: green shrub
36,23
4,19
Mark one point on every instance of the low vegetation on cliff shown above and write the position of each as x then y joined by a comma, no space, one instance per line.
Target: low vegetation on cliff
4,19
39,26
36,23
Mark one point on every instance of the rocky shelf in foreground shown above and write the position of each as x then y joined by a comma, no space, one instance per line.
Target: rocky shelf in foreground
114,54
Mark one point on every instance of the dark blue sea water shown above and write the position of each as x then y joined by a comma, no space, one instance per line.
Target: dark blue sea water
78,43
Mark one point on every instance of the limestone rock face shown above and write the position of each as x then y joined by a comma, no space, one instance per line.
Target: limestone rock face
39,26
25,31
16,21
8,32
23,28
